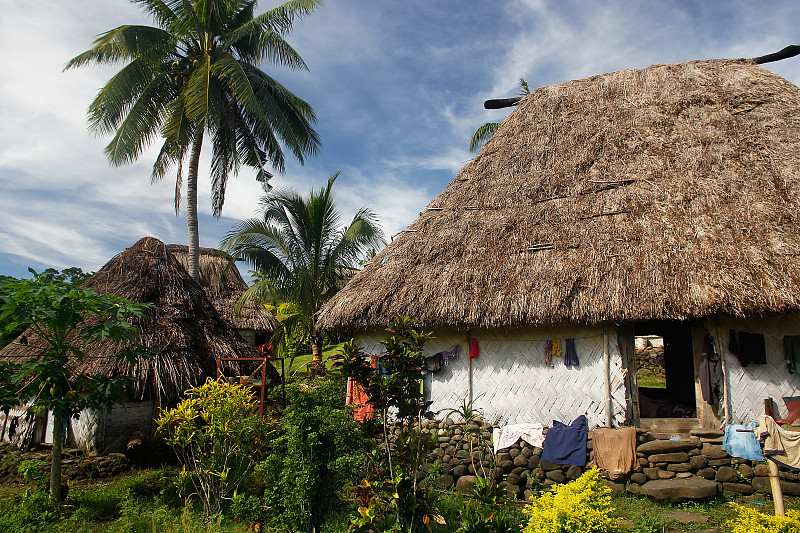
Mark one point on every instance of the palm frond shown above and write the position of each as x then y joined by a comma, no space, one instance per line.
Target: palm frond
481,135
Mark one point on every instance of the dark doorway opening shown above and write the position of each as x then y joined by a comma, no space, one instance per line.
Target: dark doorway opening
665,369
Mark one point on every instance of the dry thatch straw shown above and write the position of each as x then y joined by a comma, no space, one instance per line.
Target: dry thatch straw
667,192
183,328
224,286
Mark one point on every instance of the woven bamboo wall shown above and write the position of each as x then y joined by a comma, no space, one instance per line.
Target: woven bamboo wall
751,384
512,384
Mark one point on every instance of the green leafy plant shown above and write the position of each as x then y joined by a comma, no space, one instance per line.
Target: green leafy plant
488,512
394,498
64,320
474,436
217,438
581,506
750,520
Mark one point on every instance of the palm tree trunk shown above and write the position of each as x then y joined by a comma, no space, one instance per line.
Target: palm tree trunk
191,206
55,461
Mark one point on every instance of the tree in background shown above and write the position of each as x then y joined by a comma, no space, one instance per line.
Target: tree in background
64,320
298,249
485,132
195,73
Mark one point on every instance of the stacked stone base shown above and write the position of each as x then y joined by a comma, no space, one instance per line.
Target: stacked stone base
76,464
691,468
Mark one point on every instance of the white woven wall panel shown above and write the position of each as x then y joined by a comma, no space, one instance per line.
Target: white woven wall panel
750,385
512,384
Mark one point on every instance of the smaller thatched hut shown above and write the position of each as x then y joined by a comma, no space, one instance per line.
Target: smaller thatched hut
183,328
224,286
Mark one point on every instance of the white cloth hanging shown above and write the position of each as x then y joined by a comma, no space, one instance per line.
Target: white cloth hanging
506,436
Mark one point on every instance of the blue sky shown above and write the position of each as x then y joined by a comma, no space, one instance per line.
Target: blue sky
398,88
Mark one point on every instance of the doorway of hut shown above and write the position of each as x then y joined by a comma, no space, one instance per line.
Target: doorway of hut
665,369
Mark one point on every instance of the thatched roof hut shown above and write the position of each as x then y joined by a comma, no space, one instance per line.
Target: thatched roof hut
183,328
663,193
224,286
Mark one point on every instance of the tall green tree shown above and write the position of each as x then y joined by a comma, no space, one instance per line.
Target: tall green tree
195,74
64,320
485,132
299,248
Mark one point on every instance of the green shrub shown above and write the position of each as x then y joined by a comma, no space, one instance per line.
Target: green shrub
582,506
752,521
217,437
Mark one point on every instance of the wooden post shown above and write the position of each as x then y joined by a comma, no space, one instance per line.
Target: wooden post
607,379
469,371
775,485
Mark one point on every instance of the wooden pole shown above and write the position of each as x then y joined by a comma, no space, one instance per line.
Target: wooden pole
775,485
469,371
607,379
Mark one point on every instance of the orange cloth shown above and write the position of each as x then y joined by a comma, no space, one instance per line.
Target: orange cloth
356,395
614,450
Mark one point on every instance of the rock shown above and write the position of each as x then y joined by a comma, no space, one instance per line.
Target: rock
693,488
547,483
533,461
527,452
685,517
513,479
514,452
761,470
682,475
518,470
720,462
465,483
679,467
460,470
726,474
698,461
651,473
695,440
574,472
665,474
547,466
639,478
521,460
616,488
675,457
713,451
447,458
633,488
664,446
707,433
738,488
746,471
462,454
761,484
788,476
513,491
507,466
707,473
557,476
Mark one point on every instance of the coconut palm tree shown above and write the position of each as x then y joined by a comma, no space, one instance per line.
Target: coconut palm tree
485,132
195,74
300,251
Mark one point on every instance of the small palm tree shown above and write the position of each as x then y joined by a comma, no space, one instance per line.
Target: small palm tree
300,251
485,132
196,73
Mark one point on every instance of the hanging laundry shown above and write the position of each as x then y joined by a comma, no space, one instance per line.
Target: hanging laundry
451,353
566,445
710,371
614,450
557,348
357,396
780,445
434,363
752,349
791,353
570,355
548,353
473,349
506,436
742,444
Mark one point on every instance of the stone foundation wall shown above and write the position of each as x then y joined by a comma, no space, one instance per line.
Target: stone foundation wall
697,465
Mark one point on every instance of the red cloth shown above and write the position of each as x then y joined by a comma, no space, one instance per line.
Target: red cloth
356,395
473,349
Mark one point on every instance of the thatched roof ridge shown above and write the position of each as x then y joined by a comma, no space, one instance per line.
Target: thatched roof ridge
667,192
183,327
224,286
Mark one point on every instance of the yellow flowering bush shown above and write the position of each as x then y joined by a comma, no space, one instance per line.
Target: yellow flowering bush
750,520
582,506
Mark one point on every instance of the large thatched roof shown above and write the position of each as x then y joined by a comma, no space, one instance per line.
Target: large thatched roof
667,192
183,328
224,286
